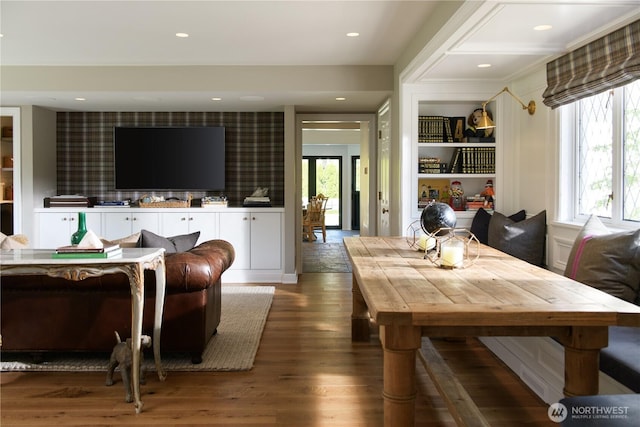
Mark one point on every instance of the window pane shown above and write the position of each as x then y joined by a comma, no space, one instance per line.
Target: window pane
328,183
595,155
631,201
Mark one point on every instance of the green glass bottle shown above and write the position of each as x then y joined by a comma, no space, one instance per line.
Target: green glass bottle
82,229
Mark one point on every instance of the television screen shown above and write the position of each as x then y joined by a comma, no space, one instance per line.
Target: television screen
169,158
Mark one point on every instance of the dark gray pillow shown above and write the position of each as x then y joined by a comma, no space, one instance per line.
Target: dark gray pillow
609,262
524,239
171,245
480,223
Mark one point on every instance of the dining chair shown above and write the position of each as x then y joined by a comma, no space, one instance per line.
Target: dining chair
314,217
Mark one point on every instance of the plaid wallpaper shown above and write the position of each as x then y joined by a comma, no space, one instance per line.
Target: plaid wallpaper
254,151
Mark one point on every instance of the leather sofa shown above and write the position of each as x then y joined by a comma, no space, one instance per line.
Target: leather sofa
43,314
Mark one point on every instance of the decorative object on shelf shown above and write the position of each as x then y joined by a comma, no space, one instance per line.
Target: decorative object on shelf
213,201
160,202
417,239
489,194
437,216
486,122
456,196
77,237
454,248
473,131
259,198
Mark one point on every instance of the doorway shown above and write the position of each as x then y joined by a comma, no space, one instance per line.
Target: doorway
323,174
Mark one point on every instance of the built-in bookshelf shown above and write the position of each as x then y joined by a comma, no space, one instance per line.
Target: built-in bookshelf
448,152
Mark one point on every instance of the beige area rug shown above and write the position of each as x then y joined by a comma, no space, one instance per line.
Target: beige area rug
233,348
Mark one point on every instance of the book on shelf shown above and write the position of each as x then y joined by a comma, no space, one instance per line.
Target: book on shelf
74,249
91,255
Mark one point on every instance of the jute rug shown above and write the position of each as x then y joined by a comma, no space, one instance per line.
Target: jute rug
233,348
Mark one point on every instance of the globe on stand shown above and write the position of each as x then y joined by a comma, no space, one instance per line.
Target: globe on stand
436,216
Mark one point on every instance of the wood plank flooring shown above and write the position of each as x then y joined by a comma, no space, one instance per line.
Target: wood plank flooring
307,373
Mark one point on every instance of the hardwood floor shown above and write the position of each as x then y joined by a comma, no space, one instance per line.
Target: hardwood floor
307,373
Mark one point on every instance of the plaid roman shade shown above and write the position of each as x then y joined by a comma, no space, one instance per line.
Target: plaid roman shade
606,63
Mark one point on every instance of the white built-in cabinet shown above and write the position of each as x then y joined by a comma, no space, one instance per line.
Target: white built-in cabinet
177,223
121,224
255,233
257,238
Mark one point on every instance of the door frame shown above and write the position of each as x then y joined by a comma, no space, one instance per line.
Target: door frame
368,175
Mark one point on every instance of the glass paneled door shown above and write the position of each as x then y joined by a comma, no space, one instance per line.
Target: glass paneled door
324,175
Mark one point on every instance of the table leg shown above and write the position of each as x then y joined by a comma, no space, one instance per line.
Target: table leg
137,300
359,315
581,360
400,345
157,321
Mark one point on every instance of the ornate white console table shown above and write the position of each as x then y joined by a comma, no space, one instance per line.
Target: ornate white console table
133,262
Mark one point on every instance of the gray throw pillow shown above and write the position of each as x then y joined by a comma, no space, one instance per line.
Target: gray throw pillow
173,244
606,261
480,223
524,239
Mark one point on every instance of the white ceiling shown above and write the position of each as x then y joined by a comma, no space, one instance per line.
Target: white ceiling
286,33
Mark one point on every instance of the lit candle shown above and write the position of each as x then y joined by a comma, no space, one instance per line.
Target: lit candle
452,254
426,243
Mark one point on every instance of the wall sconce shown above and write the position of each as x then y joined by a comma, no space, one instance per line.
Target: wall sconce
486,122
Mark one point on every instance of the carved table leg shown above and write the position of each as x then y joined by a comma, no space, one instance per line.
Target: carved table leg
137,300
157,323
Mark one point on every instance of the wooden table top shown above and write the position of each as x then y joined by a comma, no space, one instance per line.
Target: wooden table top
400,287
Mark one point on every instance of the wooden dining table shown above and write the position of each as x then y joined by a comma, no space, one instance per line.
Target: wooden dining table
409,297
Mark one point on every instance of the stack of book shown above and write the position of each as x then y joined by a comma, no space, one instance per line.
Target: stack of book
67,201
73,251
257,202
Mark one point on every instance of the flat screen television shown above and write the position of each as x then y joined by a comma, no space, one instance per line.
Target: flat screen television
169,158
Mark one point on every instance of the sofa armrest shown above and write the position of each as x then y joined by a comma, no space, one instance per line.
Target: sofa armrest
199,268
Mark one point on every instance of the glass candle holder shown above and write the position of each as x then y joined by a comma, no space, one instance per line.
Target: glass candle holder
455,248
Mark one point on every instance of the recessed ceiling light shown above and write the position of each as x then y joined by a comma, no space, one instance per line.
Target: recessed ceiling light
1,35
484,65
182,35
340,98
353,34
543,27
80,99
216,98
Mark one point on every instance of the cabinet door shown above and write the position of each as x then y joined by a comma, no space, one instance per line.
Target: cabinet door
175,223
266,236
145,221
235,228
204,222
117,225
56,228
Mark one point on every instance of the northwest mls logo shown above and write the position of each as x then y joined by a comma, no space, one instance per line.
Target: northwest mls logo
557,412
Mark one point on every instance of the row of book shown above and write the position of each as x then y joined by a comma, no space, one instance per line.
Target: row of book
440,129
464,160
473,160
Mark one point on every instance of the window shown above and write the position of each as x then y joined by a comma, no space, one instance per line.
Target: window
608,155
